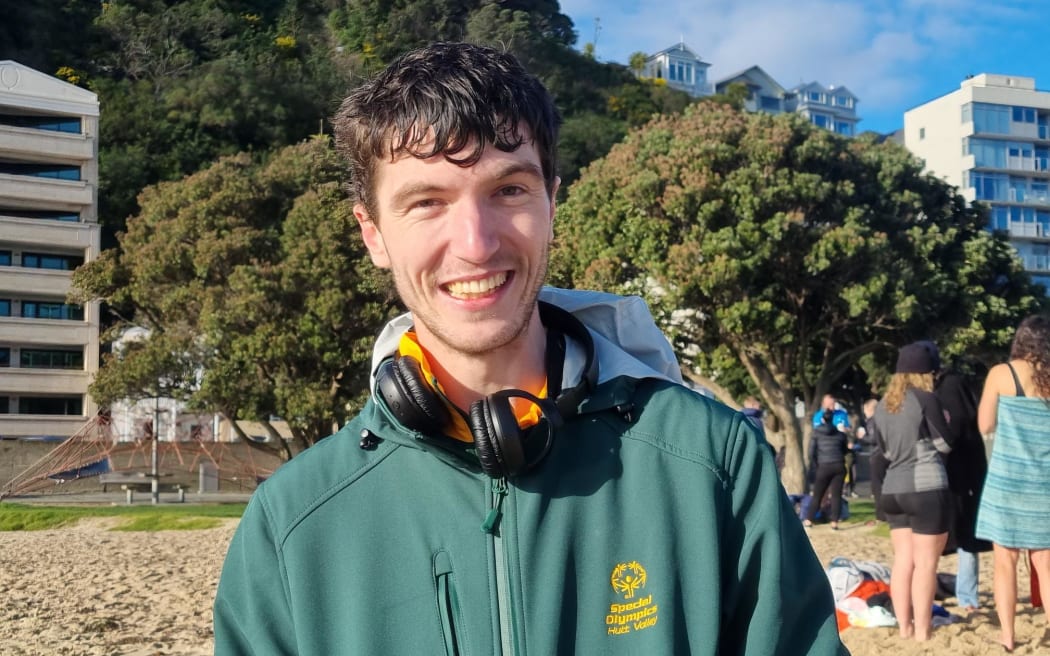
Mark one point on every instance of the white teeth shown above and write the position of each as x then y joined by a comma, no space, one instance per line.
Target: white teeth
470,288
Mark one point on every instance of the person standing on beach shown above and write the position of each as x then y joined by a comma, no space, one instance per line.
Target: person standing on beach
1014,512
827,455
967,467
913,433
529,475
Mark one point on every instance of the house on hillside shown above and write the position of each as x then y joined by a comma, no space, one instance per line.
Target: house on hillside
681,68
766,94
832,108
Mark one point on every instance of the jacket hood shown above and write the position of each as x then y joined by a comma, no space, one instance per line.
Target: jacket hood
627,341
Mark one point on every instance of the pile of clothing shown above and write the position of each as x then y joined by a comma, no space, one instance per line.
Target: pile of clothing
862,593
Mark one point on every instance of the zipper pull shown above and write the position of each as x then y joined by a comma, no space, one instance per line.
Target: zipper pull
499,490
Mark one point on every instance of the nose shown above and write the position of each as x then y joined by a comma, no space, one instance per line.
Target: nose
474,232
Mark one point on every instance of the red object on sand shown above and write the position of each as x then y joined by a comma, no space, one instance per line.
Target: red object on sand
1037,599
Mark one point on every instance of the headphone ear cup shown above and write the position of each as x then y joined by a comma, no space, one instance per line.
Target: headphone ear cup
498,439
401,384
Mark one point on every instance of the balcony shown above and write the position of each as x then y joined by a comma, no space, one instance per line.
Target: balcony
34,232
46,332
30,382
26,425
44,145
45,192
31,282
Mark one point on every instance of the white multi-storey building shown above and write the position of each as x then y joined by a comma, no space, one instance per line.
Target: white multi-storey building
49,348
991,139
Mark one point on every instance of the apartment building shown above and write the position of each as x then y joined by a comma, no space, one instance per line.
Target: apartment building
991,139
832,108
49,348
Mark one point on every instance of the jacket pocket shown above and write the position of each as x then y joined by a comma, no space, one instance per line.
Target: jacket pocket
447,601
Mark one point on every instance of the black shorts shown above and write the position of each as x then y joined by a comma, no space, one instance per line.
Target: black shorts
925,513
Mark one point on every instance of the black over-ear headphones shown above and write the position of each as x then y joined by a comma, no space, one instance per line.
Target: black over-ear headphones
502,446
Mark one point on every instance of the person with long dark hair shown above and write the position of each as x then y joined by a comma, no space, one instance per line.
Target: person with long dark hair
1015,506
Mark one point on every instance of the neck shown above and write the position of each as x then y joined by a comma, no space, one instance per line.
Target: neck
467,377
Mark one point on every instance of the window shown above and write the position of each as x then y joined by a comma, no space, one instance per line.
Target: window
986,152
5,356
52,359
843,101
5,258
989,186
815,96
820,120
922,133
5,405
844,127
71,217
44,310
57,171
994,119
52,123
1023,115
48,261
769,103
967,112
51,405
680,72
5,307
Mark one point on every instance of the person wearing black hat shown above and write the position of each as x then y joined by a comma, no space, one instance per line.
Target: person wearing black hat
912,432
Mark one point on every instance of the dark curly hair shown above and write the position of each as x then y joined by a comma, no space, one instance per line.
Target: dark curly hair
1032,344
445,98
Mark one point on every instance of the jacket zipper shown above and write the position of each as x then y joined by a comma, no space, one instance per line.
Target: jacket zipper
492,526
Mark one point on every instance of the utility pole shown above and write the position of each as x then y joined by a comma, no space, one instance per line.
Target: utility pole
154,475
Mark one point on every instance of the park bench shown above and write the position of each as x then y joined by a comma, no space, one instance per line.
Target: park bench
131,482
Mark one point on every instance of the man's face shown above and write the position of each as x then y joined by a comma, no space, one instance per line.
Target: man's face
467,246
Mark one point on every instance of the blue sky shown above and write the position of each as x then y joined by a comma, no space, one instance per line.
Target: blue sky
892,54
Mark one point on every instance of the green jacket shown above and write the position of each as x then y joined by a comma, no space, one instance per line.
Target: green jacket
656,525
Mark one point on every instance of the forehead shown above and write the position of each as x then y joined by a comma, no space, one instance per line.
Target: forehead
408,164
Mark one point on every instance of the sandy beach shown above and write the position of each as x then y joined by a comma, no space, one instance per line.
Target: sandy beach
88,591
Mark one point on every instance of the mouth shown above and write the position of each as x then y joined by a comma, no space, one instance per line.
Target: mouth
471,289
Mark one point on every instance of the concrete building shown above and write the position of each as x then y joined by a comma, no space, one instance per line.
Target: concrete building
681,68
49,349
991,139
832,108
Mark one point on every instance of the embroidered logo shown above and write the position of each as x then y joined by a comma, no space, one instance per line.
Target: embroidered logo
627,580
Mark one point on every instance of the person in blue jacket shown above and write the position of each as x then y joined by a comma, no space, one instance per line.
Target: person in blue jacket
529,475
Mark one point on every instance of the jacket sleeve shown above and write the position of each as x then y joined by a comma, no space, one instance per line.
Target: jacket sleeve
776,596
252,613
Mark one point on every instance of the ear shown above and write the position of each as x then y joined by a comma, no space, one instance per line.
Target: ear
372,237
553,207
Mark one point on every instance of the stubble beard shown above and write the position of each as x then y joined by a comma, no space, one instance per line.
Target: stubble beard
464,343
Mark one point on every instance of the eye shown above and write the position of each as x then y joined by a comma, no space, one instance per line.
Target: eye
511,191
424,204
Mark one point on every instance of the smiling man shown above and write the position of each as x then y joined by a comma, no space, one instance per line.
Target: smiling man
529,475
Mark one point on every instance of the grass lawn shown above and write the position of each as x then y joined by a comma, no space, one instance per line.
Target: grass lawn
21,517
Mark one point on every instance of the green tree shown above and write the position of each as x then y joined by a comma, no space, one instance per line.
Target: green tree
183,83
636,62
765,245
255,290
